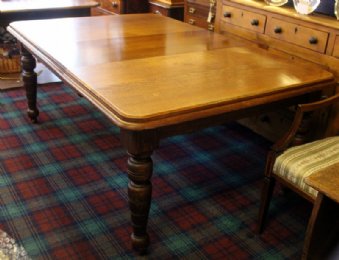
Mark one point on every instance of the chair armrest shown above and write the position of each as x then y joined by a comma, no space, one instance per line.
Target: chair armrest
289,137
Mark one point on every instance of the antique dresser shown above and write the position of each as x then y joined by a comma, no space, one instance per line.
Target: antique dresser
120,7
170,8
313,37
200,13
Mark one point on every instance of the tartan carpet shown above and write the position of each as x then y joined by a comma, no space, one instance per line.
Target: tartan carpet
63,188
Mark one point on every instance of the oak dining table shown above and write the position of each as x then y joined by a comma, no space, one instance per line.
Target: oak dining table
156,77
322,239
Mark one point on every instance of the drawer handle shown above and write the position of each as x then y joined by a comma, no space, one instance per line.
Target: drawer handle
157,12
115,4
210,17
191,10
278,29
313,40
210,27
255,22
191,21
227,14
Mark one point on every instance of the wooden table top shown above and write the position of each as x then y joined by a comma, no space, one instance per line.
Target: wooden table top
326,181
14,6
146,71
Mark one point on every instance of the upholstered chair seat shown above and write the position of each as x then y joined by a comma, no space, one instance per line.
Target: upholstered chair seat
298,162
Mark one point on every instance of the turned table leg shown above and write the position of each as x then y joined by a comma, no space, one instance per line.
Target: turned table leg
29,78
140,146
139,196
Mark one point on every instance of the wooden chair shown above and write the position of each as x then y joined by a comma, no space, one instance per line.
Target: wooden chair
290,162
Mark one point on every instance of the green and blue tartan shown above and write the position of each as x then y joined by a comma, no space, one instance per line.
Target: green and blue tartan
63,188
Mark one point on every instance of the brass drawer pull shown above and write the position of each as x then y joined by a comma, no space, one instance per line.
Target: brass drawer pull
210,17
227,14
115,4
157,12
313,40
191,10
255,22
191,21
278,30
210,27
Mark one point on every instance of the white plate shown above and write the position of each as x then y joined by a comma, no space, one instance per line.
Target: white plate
305,6
276,2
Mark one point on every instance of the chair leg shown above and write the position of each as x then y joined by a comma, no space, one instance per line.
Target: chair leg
266,196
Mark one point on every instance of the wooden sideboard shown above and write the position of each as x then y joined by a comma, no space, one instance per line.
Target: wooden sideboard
200,13
120,7
173,9
313,37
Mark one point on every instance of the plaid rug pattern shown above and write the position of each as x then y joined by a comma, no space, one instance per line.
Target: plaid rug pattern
63,188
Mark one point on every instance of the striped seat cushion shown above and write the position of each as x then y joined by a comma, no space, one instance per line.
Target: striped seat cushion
298,162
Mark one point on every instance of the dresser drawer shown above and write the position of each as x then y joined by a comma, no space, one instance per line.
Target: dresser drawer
198,21
336,47
114,6
243,18
158,10
197,10
303,36
175,11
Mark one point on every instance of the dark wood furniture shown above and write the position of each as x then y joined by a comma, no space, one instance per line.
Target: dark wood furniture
111,7
17,10
312,37
200,13
173,9
184,78
322,235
